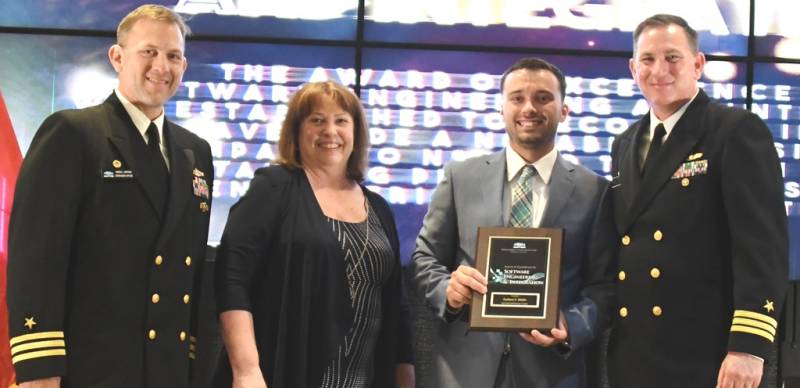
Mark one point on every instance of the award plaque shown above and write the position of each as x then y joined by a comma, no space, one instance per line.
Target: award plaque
522,267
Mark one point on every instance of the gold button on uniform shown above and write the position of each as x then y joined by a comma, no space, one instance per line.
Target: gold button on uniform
621,275
186,299
188,261
623,312
655,273
626,240
155,298
159,260
182,336
151,334
658,235
685,182
657,311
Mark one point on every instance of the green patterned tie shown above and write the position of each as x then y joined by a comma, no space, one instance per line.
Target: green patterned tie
522,199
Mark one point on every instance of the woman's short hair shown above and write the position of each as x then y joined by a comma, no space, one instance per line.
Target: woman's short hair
302,104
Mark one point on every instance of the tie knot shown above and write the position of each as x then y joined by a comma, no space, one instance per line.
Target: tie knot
153,140
660,131
527,172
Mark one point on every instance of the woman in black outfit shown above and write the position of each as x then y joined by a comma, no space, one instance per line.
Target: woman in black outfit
308,276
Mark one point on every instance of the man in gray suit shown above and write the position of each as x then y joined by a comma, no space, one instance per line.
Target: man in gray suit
478,192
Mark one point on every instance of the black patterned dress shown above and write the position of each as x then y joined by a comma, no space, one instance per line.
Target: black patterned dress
368,265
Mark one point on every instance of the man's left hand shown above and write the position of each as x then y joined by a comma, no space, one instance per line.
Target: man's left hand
557,335
740,370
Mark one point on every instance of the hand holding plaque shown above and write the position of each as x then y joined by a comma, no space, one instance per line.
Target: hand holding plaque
522,267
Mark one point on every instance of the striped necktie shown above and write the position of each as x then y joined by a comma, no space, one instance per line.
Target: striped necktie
522,199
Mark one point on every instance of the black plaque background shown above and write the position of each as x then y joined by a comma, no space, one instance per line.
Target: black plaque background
505,256
511,319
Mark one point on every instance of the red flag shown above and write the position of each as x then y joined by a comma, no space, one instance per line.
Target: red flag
10,160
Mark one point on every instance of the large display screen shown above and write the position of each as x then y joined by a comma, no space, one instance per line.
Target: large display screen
723,25
776,99
777,33
303,19
425,108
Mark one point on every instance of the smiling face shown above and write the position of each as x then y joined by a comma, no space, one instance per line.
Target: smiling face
532,108
666,68
150,64
326,136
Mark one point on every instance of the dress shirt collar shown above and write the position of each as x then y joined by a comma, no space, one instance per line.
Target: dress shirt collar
670,122
140,120
544,166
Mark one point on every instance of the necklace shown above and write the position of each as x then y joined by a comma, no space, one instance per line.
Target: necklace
366,242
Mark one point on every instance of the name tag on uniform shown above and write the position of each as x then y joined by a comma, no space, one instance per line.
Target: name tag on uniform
117,172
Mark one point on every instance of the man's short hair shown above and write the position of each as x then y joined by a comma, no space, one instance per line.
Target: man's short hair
536,64
151,12
664,20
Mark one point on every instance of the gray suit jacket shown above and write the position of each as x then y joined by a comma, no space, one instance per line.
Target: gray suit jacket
471,195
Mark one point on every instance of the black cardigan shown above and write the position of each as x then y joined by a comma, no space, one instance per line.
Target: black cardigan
279,260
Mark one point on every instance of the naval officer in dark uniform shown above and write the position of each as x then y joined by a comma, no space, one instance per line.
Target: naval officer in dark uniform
109,227
699,228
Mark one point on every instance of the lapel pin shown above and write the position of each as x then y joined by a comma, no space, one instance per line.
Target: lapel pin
116,163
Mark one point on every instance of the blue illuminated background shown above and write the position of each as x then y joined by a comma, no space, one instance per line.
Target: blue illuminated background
428,71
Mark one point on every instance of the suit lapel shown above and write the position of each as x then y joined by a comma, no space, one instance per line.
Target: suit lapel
562,184
492,181
120,133
676,148
180,178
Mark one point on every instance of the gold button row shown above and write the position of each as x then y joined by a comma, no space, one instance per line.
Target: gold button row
151,334
657,235
655,273
160,259
657,311
155,298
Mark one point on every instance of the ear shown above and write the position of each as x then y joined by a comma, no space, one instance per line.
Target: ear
564,112
115,57
632,67
699,64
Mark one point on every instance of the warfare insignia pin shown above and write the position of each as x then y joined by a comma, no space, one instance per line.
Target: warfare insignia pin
198,173
695,156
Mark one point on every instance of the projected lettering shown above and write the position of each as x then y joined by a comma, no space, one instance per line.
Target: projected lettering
419,121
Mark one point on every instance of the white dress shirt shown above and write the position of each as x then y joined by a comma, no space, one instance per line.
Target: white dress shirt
141,122
541,182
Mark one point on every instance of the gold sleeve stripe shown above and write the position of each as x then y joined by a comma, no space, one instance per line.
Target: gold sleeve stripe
757,316
754,323
37,345
754,331
39,354
37,336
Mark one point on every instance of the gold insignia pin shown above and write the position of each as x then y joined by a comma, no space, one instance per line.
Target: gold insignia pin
770,306
204,207
30,323
695,156
116,164
198,173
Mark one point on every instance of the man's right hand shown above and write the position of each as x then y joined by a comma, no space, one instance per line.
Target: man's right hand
52,382
463,281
